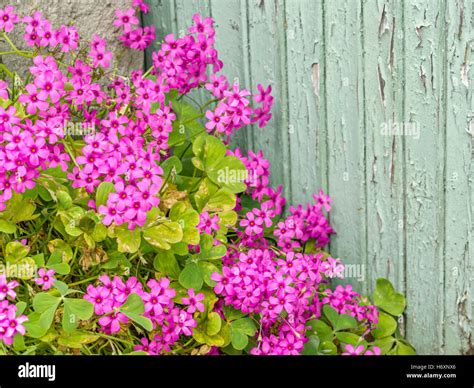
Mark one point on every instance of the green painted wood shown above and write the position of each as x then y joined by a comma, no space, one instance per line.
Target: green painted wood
383,80
345,132
343,71
267,58
424,163
459,174
306,115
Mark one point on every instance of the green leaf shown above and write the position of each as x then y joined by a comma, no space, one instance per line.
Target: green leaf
386,298
349,338
239,340
20,308
7,227
214,324
133,308
16,251
210,150
404,349
75,310
77,339
19,343
345,322
222,200
61,287
172,165
207,270
311,348
229,173
231,313
142,321
64,199
321,329
128,240
63,248
133,305
44,301
33,326
327,348
166,263
385,327
103,191
19,209
61,268
39,259
244,325
188,219
161,236
191,277
209,251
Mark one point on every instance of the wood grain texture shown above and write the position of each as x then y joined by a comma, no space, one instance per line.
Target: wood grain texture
459,185
345,132
424,161
347,75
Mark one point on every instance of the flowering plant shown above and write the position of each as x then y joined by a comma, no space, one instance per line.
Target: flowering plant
128,225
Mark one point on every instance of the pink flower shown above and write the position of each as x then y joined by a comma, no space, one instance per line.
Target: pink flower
12,325
208,224
125,19
101,298
374,351
351,351
8,19
7,288
194,301
46,278
141,5
3,90
68,38
252,225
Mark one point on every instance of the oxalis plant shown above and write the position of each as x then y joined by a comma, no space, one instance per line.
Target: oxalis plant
128,225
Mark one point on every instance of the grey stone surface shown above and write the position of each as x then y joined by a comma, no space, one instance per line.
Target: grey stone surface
89,16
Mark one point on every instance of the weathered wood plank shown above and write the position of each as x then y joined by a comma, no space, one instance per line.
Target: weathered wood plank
267,50
307,129
424,161
383,96
459,246
345,129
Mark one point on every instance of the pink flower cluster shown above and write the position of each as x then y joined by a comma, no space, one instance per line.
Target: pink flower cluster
28,147
282,289
233,110
134,37
169,321
346,301
183,61
11,323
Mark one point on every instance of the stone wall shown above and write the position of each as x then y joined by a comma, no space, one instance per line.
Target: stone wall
89,16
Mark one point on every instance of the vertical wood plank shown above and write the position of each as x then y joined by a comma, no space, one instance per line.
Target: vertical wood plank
345,128
424,156
307,129
459,245
267,50
383,96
